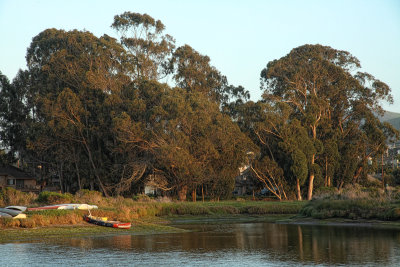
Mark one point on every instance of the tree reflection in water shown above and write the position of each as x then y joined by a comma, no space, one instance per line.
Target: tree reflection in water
278,242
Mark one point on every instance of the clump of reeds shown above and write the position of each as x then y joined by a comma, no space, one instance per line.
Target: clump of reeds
45,218
10,196
90,197
366,208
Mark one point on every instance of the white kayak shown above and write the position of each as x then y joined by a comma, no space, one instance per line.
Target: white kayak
65,207
77,207
21,208
5,215
11,212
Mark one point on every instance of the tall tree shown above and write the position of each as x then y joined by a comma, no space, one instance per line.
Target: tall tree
76,83
149,48
193,72
319,83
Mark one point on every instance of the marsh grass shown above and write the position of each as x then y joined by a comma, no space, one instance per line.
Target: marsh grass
131,210
10,196
387,210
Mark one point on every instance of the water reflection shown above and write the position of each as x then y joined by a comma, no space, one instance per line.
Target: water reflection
238,245
299,243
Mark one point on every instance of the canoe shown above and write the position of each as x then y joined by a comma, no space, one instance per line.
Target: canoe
11,212
101,222
65,207
5,215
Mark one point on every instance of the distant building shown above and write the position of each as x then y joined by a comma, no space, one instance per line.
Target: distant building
390,156
14,177
244,183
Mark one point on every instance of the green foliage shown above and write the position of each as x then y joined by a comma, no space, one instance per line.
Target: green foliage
352,209
48,197
92,112
396,176
147,47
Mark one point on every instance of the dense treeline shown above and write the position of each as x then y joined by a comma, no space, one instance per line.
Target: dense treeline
96,113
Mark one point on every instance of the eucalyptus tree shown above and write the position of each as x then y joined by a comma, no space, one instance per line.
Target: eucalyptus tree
321,83
285,147
189,143
148,47
194,72
15,116
75,85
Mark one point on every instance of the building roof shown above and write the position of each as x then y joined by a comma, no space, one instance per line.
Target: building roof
15,172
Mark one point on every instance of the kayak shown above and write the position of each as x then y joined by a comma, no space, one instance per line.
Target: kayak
21,208
11,212
64,207
102,222
5,215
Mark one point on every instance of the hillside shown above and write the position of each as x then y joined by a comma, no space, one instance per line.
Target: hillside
389,116
395,122
392,118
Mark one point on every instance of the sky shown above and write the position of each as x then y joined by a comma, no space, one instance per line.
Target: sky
240,37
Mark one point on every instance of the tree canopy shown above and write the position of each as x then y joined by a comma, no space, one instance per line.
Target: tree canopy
94,113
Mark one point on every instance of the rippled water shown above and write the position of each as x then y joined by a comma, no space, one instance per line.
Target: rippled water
252,244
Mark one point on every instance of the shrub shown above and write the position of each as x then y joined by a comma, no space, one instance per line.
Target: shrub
142,198
54,198
352,209
325,192
89,197
10,196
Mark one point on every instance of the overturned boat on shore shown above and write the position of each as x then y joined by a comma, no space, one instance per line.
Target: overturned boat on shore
102,221
15,212
64,207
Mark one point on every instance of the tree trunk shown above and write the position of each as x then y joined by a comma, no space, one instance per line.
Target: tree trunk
357,174
340,185
202,192
61,176
77,173
95,170
311,180
194,197
298,190
326,172
182,193
310,187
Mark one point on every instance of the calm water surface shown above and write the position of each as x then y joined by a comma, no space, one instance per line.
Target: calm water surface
251,244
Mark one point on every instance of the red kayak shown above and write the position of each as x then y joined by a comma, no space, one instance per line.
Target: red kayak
101,222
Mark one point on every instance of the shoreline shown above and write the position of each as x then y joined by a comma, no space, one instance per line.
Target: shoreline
170,224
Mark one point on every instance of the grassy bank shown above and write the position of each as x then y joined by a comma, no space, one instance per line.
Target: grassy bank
134,211
354,209
137,210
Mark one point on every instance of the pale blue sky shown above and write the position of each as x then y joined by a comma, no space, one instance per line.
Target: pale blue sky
240,37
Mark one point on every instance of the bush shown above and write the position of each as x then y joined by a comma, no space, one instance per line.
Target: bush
47,197
325,192
142,198
352,209
89,196
10,196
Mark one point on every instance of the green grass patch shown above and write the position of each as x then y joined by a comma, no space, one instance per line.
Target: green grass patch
353,209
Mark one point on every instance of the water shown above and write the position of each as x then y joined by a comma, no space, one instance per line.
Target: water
251,244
